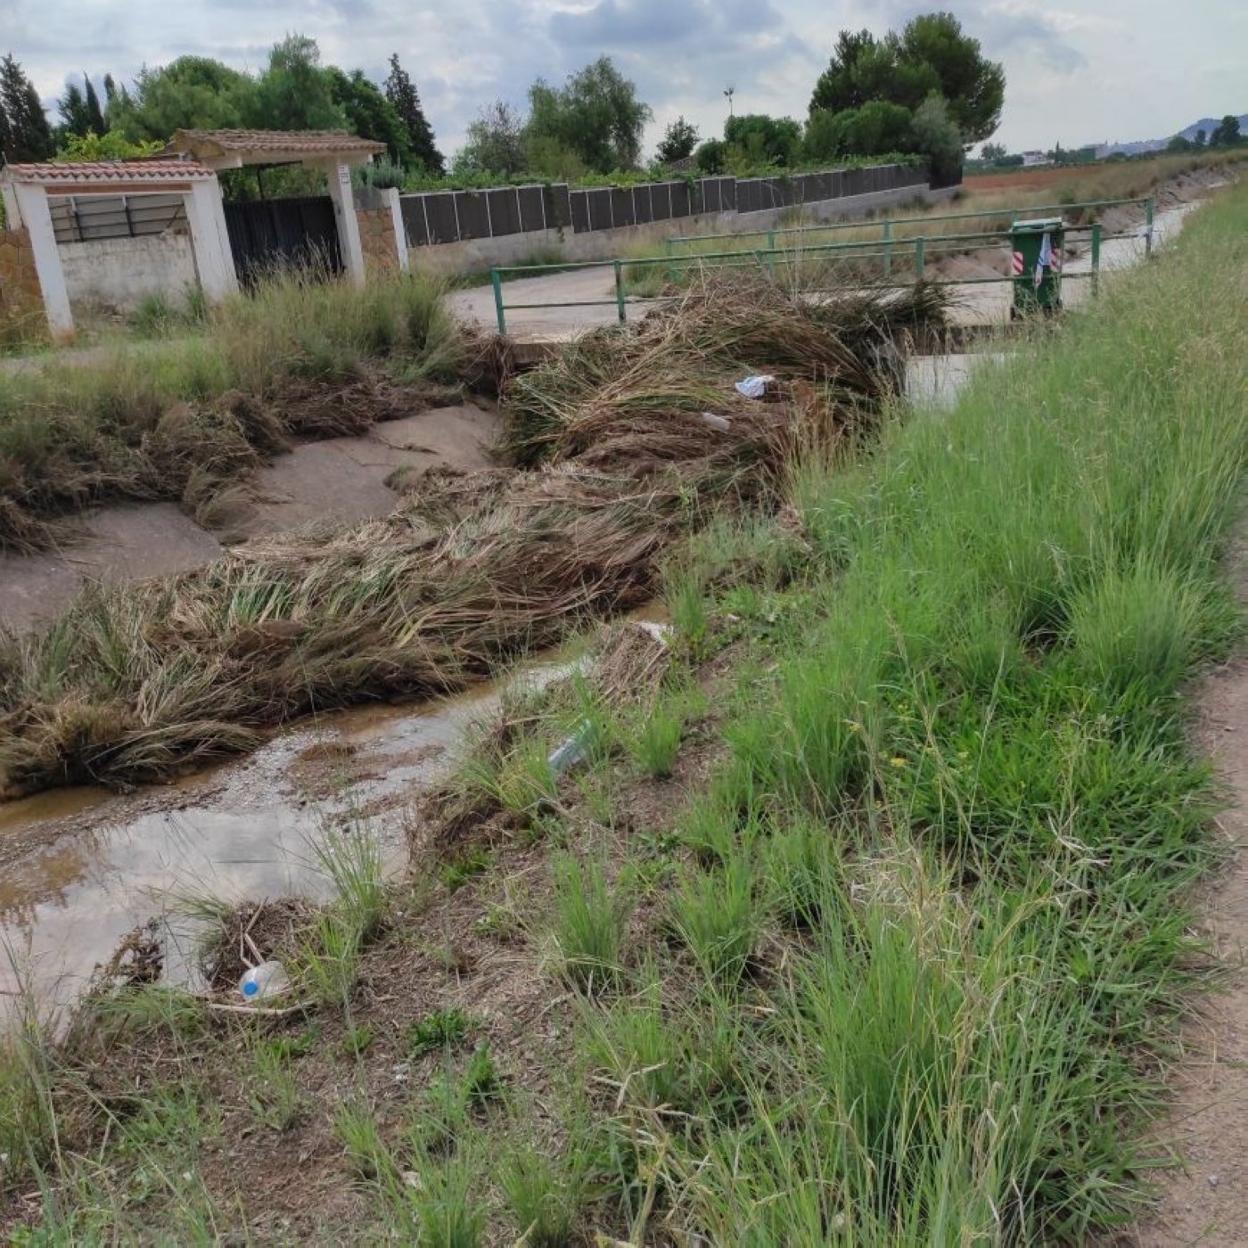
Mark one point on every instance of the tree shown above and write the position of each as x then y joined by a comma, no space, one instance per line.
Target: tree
72,107
710,156
1226,132
110,90
596,114
405,100
936,136
29,137
495,143
111,145
762,140
95,115
1200,138
930,56
974,87
876,128
192,93
992,151
369,114
679,140
294,92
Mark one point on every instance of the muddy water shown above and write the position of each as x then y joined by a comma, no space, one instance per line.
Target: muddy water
79,868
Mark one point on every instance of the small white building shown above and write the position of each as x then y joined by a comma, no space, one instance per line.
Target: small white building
1035,158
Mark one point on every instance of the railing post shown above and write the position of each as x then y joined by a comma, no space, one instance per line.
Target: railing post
888,247
497,282
771,250
1096,258
918,258
1148,226
620,306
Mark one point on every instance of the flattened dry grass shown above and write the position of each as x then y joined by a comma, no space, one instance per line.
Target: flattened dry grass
173,419
131,683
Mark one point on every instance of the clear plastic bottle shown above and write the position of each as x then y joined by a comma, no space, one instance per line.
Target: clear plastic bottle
269,979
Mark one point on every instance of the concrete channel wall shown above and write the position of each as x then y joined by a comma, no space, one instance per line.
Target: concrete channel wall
566,243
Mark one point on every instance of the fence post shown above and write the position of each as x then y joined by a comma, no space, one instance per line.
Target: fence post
771,248
1148,227
497,282
918,258
1096,258
620,306
888,246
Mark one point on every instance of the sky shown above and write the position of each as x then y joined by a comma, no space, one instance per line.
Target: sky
1077,72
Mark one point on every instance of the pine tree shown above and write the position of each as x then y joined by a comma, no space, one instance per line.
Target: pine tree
30,136
402,94
95,117
110,89
6,133
72,107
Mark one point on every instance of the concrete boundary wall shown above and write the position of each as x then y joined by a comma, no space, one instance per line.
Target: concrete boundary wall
116,274
547,246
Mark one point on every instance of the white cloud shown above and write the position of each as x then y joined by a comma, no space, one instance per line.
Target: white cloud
1074,73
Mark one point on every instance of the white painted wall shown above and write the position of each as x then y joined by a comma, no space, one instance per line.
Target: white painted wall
116,273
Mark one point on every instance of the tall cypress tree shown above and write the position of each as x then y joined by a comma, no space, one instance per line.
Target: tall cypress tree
72,107
30,136
95,116
402,94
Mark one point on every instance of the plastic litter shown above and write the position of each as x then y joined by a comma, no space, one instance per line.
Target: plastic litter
722,423
264,982
754,386
572,751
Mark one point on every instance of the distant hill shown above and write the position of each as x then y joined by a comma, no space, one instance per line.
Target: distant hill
1155,145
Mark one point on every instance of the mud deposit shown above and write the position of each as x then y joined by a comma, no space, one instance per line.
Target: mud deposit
336,481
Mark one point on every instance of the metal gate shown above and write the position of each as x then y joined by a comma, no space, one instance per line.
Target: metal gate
269,234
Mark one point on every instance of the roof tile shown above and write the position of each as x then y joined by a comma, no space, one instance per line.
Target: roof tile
311,141
45,173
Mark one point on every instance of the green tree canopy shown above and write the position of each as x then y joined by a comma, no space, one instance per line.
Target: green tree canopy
596,114
931,55
405,99
368,113
495,143
757,139
1226,132
679,140
72,107
294,92
25,132
95,115
191,93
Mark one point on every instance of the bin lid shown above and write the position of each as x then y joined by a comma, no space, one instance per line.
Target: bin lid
1038,225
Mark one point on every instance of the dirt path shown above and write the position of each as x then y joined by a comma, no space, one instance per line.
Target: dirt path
1206,1202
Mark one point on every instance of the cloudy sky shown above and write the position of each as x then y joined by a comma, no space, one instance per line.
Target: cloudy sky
1077,71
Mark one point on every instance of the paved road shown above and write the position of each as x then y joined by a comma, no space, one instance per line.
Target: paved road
974,304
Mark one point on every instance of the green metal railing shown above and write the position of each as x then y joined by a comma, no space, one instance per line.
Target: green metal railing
890,251
888,225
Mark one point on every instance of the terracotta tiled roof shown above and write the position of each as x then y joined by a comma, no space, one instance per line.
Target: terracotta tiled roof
106,172
307,142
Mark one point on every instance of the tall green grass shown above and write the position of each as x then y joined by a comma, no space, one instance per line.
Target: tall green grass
1014,592
74,431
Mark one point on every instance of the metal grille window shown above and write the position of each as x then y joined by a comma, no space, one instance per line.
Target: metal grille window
82,218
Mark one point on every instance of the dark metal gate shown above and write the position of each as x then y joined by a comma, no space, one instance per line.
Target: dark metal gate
268,234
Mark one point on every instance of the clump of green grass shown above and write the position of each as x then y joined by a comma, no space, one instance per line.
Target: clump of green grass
544,1194
715,914
437,1030
590,922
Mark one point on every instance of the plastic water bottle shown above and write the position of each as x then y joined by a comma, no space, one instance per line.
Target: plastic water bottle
269,979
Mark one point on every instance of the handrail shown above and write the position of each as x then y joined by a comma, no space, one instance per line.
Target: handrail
920,248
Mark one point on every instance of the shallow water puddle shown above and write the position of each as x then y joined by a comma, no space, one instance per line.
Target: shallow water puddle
83,867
